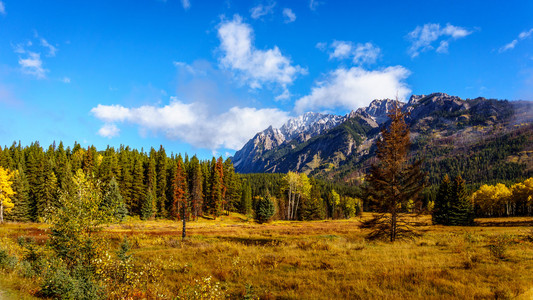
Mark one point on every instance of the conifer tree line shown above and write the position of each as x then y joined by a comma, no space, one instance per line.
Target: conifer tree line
147,185
452,204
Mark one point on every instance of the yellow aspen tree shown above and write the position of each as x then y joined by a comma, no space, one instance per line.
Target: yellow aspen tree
6,191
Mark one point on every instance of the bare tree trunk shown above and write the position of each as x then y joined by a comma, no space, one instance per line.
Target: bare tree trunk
296,207
289,204
1,211
183,232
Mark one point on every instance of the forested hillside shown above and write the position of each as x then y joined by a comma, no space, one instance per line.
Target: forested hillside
485,140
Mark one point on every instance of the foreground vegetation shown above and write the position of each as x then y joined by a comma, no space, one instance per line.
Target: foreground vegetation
232,257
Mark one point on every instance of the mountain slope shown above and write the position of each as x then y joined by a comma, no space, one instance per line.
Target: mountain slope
451,134
300,129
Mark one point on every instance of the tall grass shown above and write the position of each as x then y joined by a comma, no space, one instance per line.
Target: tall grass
236,259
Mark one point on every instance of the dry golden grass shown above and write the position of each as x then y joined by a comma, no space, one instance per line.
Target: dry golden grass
323,259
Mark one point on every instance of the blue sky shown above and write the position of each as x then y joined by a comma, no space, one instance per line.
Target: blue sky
204,76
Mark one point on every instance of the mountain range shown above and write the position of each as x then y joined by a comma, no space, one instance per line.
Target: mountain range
482,139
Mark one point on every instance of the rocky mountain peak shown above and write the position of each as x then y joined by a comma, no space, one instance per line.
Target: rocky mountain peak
434,97
377,110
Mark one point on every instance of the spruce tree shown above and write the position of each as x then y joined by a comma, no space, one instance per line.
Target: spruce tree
113,202
147,206
393,181
47,191
138,188
215,201
180,198
195,187
161,194
461,210
441,211
21,210
265,209
246,200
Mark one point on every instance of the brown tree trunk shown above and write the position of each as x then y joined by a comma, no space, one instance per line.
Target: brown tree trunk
1,211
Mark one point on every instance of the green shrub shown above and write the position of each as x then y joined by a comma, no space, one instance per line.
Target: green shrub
498,246
7,262
61,283
265,209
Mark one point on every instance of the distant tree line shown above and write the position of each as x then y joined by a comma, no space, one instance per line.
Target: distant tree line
154,184
149,185
297,196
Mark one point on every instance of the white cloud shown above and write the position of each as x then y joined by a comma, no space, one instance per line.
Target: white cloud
522,36
33,65
184,66
355,87
262,10
253,66
30,61
191,123
65,79
525,34
341,49
109,131
288,15
313,4
51,49
321,46
366,53
2,8
423,37
186,4
443,47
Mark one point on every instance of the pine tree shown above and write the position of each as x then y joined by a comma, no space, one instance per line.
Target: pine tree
34,174
195,187
265,209
461,210
113,202
137,187
161,170
47,192
147,206
214,204
21,210
180,204
393,181
246,200
180,198
233,186
442,202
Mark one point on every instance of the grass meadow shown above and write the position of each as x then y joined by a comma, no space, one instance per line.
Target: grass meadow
235,258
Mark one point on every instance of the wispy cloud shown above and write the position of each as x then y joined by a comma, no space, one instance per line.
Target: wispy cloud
313,4
191,123
186,4
51,49
422,37
65,80
288,15
261,10
522,36
33,65
253,66
360,54
355,87
2,8
30,60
